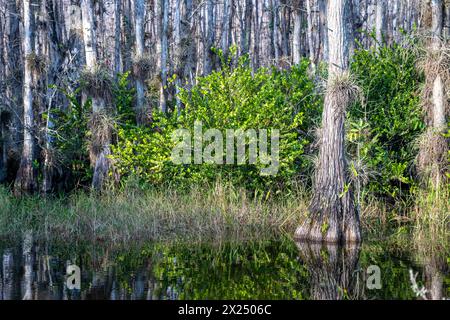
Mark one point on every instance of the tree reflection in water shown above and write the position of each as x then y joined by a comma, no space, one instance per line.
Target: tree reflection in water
333,270
262,270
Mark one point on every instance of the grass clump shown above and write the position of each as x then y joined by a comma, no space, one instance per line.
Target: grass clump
208,213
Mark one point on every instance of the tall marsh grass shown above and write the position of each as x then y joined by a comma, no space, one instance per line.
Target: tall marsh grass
432,218
218,211
198,214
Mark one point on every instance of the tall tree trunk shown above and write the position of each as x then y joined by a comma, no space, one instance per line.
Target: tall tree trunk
296,45
164,53
247,30
178,51
100,144
333,217
323,38
25,179
275,25
14,92
310,33
117,36
209,43
141,113
257,46
380,28
226,27
3,113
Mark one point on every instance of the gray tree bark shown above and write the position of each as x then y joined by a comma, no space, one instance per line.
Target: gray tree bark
164,53
333,217
141,113
100,148
380,28
25,179
296,42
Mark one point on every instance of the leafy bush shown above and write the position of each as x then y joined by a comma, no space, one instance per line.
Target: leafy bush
391,116
70,133
69,139
232,98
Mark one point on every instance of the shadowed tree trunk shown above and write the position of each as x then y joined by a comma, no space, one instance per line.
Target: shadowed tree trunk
332,214
209,41
117,39
25,179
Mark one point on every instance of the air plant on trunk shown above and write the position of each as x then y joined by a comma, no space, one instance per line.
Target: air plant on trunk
143,67
97,83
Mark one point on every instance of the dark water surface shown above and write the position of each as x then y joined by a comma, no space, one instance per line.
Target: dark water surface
31,269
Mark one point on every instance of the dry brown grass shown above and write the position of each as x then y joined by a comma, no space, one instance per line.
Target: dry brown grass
200,214
433,63
143,67
343,90
97,82
102,126
432,157
38,63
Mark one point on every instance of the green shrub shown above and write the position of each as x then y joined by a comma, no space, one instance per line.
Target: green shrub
232,98
391,116
69,139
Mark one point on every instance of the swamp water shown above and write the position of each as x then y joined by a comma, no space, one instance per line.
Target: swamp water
257,270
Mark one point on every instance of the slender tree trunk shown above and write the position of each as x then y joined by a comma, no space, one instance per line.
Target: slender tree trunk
25,179
310,34
117,36
246,40
257,46
164,53
178,52
14,92
323,38
333,217
380,28
226,27
296,45
208,53
141,113
3,114
275,25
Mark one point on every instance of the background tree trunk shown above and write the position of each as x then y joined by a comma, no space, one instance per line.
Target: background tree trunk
297,38
141,113
380,28
25,179
100,147
164,53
